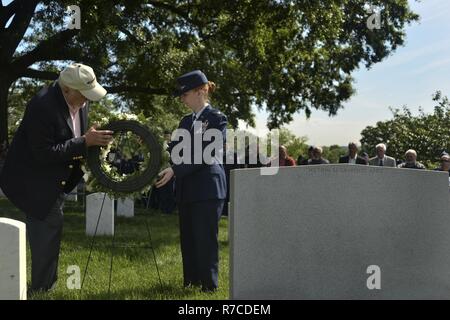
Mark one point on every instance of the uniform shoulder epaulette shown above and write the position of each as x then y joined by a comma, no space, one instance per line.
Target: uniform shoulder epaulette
217,112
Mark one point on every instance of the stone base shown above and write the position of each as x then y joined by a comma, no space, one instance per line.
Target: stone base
13,273
93,205
125,208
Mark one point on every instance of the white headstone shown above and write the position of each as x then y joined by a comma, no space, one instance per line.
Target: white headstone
125,207
1,193
13,273
73,195
339,232
95,202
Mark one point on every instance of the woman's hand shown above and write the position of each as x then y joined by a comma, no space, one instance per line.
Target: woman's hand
165,177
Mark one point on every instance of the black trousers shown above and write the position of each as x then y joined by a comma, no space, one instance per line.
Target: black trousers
199,229
44,237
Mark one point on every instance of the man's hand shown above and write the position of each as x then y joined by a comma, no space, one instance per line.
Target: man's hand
96,137
165,177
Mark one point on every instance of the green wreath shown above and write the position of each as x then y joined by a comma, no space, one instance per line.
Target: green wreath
135,146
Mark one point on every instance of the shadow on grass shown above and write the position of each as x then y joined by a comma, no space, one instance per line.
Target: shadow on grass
155,292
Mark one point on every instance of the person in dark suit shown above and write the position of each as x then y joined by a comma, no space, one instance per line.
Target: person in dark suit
200,183
445,163
304,161
352,157
253,161
163,198
232,163
43,163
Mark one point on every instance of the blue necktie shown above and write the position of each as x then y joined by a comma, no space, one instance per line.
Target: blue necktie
194,117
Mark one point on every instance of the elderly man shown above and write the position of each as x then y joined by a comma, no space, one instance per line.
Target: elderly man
411,161
382,159
317,157
352,157
445,163
43,163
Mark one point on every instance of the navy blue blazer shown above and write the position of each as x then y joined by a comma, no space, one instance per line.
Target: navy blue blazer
359,160
43,159
198,182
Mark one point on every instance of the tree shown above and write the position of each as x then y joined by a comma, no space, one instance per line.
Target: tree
19,94
428,134
295,145
285,56
334,152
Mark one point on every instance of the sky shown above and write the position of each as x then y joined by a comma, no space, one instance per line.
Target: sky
408,77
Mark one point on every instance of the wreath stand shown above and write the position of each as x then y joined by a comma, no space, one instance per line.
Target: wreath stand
131,185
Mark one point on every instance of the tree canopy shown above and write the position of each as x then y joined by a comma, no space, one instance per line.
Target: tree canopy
284,56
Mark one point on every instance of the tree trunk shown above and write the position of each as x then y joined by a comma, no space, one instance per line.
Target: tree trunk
4,87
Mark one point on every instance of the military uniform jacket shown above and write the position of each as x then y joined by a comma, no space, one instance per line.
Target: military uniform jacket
201,181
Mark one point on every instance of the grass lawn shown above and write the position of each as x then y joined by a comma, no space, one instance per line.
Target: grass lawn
134,273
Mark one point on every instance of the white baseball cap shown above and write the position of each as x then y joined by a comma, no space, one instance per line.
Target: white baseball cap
82,78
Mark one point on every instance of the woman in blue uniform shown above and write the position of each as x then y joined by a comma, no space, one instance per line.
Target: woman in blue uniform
200,186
